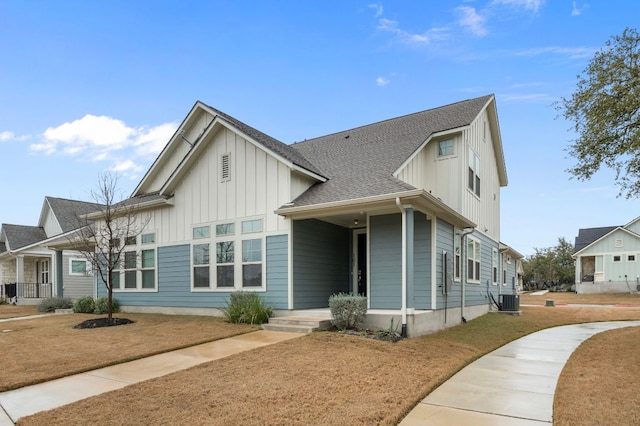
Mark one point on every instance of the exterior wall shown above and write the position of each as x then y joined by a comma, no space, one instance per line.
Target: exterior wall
9,273
422,274
630,286
51,225
385,265
477,293
444,242
75,285
321,264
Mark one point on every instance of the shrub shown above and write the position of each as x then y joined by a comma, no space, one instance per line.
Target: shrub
84,305
102,308
347,310
246,307
52,303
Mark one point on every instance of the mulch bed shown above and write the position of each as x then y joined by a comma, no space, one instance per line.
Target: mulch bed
103,322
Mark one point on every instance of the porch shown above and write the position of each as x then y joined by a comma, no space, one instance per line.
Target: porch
26,293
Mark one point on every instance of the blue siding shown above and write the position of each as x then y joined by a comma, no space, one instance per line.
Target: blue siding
444,242
476,294
277,271
421,263
386,262
321,262
174,280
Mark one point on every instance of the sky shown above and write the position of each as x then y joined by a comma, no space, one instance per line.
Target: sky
94,87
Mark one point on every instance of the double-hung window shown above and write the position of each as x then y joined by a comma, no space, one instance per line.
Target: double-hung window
137,271
494,260
457,257
474,172
473,260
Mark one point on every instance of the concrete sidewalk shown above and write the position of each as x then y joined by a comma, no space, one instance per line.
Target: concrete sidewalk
46,396
513,385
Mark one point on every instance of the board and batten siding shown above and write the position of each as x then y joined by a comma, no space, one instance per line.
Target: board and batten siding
259,184
321,262
174,280
385,287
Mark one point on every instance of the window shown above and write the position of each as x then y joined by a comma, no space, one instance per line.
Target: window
78,267
200,232
504,277
249,226
631,258
225,264
445,147
225,167
494,260
252,263
44,271
238,261
616,258
474,172
137,271
201,265
473,260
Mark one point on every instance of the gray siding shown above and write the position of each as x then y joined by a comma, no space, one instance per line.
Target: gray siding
386,262
321,262
421,263
476,294
75,286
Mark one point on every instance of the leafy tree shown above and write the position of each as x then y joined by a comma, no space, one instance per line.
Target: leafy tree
605,111
102,236
550,264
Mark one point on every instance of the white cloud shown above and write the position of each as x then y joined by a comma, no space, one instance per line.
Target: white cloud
412,38
5,136
101,138
576,11
381,81
533,5
471,20
378,8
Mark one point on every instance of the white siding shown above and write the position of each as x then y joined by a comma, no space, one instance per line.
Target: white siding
51,225
259,184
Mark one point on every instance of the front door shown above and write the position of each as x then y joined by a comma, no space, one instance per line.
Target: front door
360,262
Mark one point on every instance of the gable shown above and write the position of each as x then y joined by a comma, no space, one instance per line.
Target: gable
618,240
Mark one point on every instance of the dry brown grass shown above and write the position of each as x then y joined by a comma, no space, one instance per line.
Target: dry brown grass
324,378
600,385
13,311
40,349
622,299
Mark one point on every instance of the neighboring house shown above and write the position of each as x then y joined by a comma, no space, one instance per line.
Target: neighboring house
30,270
607,259
405,211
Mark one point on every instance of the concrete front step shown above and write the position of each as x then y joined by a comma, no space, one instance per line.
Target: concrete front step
297,324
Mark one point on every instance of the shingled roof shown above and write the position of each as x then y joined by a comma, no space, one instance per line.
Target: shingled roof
67,212
587,236
18,236
280,148
360,162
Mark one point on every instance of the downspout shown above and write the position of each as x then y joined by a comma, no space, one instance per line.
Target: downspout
404,267
465,267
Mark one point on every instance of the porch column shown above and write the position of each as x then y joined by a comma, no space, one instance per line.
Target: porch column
59,274
20,269
407,258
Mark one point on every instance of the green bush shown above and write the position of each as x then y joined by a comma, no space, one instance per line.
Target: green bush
101,305
347,310
246,307
84,305
52,303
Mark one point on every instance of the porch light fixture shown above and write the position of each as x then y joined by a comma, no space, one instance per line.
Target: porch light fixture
355,222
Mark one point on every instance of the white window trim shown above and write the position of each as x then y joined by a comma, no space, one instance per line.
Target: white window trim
635,257
619,256
237,237
495,271
138,248
453,148
88,271
479,261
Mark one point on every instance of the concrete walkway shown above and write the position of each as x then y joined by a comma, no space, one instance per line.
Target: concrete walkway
46,396
513,385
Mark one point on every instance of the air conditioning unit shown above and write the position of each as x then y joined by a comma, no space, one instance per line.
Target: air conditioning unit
510,302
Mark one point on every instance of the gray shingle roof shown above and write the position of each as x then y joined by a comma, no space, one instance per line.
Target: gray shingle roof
18,236
360,162
587,236
3,247
68,211
282,149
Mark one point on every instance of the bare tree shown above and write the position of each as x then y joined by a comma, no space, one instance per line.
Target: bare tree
102,236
